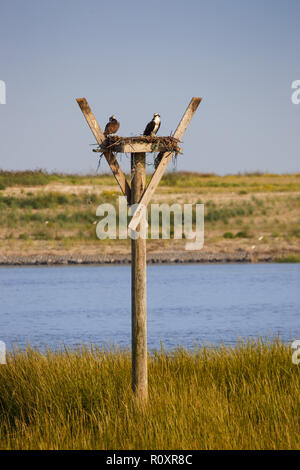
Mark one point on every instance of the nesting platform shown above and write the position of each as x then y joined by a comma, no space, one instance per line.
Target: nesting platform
143,143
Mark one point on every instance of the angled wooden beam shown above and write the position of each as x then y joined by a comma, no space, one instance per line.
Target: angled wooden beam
110,157
91,120
165,159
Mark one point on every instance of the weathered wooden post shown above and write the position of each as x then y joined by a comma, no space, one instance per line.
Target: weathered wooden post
140,195
138,286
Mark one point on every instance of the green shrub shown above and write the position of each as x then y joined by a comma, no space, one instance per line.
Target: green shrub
288,259
42,235
243,234
275,234
228,235
23,236
294,231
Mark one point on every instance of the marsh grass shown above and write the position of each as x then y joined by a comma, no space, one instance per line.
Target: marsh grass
242,183
245,397
42,177
66,214
258,209
288,259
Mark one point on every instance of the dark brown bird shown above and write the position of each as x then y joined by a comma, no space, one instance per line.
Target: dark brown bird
112,126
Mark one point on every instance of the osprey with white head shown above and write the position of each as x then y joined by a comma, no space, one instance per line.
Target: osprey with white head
153,126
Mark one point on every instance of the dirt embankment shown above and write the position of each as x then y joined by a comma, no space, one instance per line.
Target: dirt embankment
169,257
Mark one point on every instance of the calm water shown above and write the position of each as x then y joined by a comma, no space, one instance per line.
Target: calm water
187,304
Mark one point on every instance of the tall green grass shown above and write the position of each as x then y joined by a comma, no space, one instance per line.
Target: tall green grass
42,177
245,397
46,200
207,181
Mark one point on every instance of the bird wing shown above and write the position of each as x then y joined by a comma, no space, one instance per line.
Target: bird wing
107,129
149,128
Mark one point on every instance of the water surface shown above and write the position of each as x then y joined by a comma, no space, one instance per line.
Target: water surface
187,304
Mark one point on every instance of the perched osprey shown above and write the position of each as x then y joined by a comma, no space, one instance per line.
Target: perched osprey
153,126
112,126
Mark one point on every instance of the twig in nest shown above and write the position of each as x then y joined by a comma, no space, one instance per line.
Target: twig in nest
99,162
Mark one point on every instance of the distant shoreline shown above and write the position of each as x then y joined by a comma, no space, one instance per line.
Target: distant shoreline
51,219
177,257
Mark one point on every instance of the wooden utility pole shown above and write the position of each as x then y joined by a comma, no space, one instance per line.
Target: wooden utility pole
140,195
138,286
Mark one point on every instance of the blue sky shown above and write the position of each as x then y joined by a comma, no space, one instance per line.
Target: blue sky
134,58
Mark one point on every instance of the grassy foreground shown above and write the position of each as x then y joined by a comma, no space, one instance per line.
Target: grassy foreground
245,397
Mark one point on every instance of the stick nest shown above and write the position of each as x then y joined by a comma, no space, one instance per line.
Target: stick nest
114,142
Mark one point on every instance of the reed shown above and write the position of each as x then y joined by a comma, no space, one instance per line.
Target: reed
246,397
